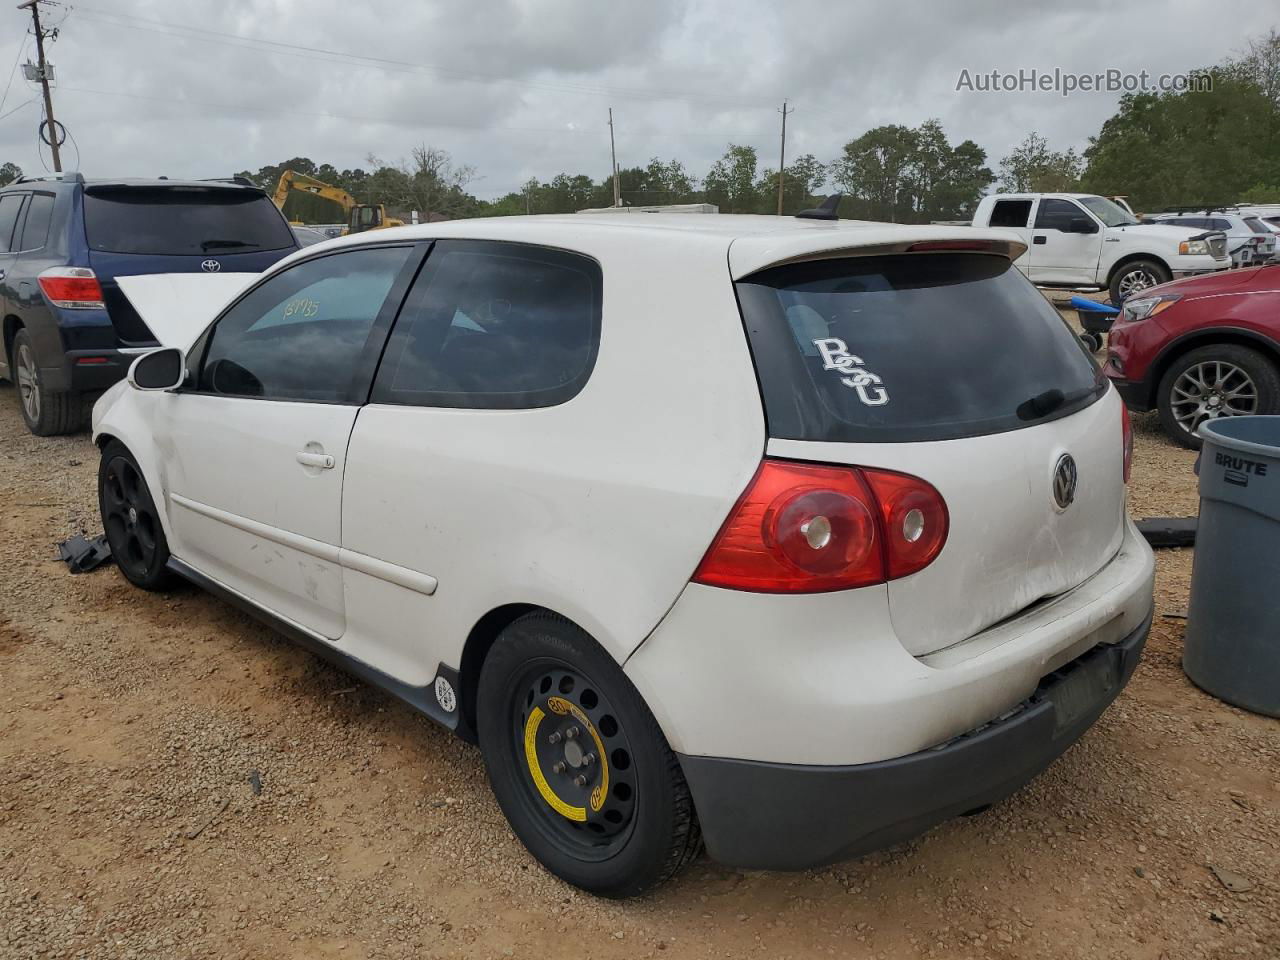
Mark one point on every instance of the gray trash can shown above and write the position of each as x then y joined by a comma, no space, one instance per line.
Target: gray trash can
1233,621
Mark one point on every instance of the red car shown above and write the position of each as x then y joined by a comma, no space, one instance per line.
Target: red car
1200,348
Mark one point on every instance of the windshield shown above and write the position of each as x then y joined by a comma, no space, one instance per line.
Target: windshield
183,221
1109,212
910,347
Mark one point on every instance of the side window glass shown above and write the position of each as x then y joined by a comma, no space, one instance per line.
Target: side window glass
301,334
10,205
35,231
1056,214
1011,213
494,325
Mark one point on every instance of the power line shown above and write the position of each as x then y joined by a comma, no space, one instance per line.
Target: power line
236,108
12,73
133,22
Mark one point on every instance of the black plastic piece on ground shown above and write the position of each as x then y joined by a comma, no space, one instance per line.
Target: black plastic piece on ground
778,816
1169,531
81,555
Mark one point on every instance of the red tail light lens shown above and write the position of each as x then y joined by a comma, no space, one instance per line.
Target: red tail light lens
1126,439
72,288
806,528
915,520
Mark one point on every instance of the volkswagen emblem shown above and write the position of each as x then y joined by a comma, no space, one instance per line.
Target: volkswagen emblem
211,266
1064,481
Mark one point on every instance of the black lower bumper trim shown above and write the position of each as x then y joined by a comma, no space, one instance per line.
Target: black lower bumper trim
780,816
1135,393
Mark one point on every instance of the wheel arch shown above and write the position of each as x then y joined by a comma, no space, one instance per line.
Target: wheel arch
1129,258
477,646
1206,337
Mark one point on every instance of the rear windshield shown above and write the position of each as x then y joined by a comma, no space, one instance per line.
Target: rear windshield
1256,225
910,347
183,220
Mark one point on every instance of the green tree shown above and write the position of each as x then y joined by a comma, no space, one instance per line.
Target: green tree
1196,147
1033,167
9,172
732,184
911,175
801,185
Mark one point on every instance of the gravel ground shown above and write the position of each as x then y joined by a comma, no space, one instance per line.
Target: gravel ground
132,725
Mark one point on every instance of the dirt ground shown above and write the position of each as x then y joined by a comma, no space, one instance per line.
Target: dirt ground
131,726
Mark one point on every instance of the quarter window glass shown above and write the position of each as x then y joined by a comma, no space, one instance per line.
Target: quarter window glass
301,335
1010,213
35,232
494,325
1056,214
10,204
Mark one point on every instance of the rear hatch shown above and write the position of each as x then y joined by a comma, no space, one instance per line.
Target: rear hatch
137,229
952,367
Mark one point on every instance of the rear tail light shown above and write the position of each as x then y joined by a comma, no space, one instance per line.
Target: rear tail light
808,528
72,288
1126,439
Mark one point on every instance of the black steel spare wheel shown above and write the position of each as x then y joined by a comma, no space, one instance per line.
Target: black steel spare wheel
130,519
578,763
578,760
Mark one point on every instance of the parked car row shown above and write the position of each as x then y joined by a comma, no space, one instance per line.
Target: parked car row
1250,240
1077,240
68,333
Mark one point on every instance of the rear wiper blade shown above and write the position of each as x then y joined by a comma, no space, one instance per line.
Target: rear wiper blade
224,244
1043,404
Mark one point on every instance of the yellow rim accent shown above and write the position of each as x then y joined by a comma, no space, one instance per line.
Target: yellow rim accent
601,790
531,758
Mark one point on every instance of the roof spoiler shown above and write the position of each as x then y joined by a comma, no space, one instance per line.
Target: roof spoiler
826,210
71,176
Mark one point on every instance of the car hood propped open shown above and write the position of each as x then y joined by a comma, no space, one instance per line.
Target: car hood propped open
177,307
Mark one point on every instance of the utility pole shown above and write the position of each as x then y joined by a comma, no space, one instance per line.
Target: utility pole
782,158
34,7
613,152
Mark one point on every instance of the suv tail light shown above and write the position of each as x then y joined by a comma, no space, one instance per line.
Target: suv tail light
808,528
72,288
1126,439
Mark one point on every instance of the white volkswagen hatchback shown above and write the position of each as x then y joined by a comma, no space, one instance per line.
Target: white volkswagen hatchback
795,536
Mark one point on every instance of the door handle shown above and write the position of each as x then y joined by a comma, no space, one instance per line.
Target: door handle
1112,240
1042,239
322,460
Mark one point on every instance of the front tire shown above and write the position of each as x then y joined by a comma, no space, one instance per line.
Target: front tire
1219,380
1136,276
131,520
578,763
46,412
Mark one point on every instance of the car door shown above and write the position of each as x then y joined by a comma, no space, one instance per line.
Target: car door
10,207
1065,243
1015,215
257,439
468,444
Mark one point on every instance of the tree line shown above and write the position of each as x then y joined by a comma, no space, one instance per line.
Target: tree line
1198,147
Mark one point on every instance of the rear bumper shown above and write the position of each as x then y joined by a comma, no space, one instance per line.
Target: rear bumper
790,817
89,371
1135,393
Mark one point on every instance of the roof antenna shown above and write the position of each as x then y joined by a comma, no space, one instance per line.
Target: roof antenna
826,210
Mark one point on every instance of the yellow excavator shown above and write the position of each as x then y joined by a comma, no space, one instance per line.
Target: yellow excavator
360,216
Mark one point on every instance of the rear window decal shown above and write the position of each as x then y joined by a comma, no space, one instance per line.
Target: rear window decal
836,356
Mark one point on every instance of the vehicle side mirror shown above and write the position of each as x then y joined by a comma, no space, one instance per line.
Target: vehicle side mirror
163,369
1081,225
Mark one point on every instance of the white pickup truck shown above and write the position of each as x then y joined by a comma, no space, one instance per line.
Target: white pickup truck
1082,240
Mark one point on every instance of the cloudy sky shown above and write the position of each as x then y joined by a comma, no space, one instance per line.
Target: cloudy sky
520,88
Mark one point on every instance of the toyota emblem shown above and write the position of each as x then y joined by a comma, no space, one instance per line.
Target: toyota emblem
1064,481
211,266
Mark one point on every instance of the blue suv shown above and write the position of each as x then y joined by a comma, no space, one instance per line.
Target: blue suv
68,331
